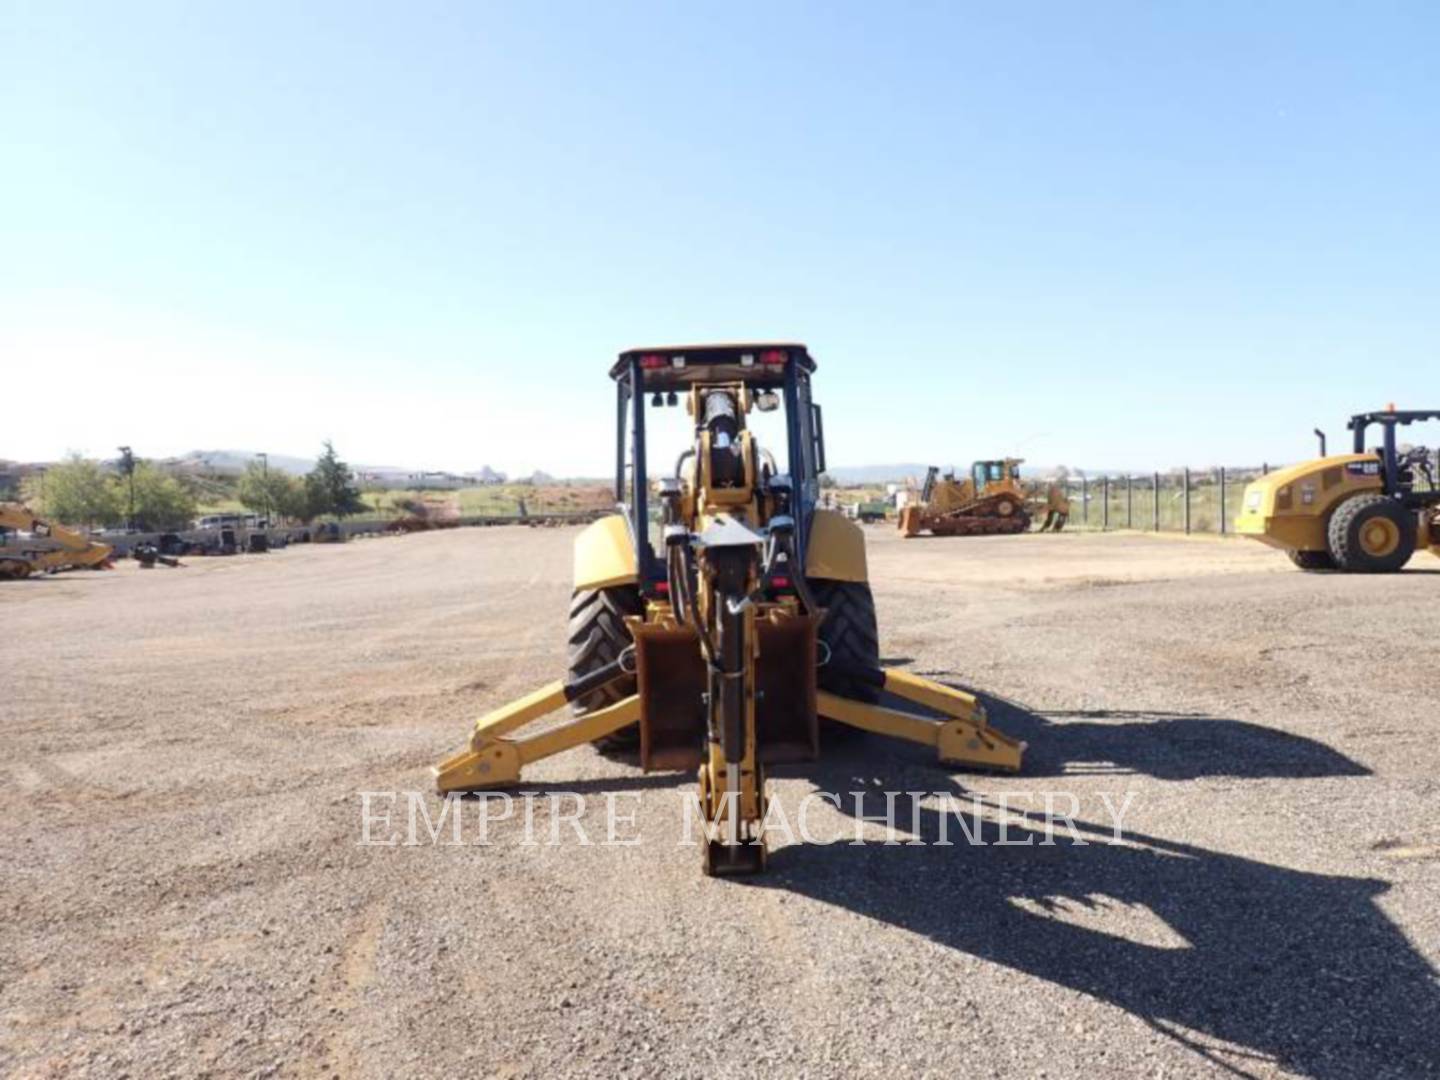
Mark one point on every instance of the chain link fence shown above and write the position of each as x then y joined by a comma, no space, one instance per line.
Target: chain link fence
1179,500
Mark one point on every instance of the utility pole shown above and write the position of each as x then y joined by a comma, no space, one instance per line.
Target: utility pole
265,483
127,467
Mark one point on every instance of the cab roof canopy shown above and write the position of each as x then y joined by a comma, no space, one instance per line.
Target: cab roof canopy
664,367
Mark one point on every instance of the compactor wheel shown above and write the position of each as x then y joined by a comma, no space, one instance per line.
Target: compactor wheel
598,635
1372,534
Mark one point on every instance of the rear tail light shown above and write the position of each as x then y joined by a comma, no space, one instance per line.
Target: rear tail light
650,361
773,356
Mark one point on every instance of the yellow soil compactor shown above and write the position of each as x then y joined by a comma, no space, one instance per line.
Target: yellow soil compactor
990,500
1366,511
720,614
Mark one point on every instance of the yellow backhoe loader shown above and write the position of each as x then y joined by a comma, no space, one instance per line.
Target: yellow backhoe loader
715,633
1363,512
52,547
992,499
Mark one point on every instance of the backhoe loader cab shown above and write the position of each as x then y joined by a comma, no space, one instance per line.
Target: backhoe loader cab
1365,511
722,391
720,613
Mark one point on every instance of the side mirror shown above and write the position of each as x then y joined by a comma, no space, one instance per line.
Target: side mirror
767,401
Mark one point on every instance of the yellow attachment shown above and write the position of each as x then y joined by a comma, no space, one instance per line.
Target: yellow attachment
604,555
966,738
72,549
493,761
836,549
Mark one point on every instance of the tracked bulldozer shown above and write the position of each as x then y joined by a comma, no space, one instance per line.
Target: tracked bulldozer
991,500
720,614
51,547
1367,511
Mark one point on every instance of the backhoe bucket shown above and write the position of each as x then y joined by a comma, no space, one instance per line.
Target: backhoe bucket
670,674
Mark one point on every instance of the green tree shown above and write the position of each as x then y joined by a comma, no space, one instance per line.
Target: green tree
76,492
274,492
330,488
291,498
161,500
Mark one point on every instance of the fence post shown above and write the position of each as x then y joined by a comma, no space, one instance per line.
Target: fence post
1084,501
1105,502
1155,515
1129,501
1264,468
1222,500
1187,500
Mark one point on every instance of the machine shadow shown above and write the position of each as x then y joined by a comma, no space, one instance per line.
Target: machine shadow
1280,966
1165,745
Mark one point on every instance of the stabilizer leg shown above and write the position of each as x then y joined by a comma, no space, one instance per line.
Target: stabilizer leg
492,760
966,738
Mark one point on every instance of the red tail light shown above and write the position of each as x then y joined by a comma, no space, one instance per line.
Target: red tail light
662,586
780,582
773,356
650,361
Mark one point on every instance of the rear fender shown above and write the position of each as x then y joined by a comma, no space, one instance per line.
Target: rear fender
605,555
836,549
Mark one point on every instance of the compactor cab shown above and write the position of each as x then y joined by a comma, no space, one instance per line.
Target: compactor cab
1365,511
720,613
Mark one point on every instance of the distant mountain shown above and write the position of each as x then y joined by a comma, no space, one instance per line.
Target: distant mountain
898,474
876,474
234,461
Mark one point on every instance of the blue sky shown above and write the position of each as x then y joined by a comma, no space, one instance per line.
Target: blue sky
1108,235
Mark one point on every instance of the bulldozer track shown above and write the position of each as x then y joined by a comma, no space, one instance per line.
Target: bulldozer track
992,516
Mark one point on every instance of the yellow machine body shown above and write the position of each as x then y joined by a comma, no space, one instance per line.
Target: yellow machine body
605,555
836,550
1290,508
58,548
1367,511
992,499
724,653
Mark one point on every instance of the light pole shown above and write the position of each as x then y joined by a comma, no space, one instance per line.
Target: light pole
127,466
265,483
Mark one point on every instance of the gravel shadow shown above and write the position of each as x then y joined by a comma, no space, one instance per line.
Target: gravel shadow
1287,967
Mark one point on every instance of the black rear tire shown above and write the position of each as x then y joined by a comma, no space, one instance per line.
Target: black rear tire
1312,560
850,632
598,635
1351,524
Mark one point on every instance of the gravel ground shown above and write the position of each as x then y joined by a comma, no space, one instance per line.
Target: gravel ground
185,891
